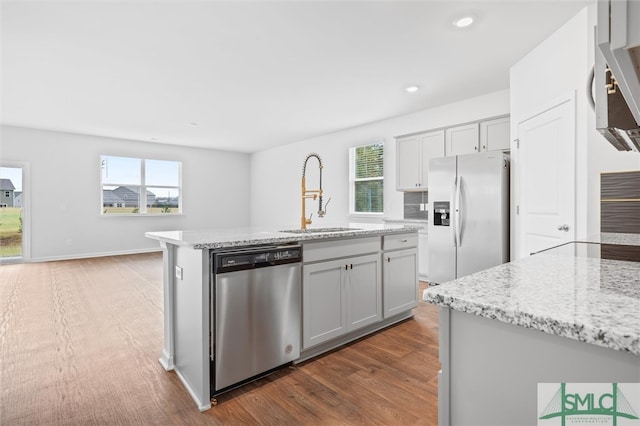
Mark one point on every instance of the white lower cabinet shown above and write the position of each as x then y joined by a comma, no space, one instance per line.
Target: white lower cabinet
340,296
423,256
400,280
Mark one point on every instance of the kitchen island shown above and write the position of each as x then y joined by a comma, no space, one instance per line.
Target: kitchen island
566,315
355,279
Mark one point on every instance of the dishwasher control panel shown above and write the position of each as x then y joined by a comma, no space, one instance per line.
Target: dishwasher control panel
257,257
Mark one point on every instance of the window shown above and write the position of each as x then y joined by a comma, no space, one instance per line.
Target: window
367,178
140,186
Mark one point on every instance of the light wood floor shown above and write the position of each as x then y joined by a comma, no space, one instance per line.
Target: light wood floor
80,341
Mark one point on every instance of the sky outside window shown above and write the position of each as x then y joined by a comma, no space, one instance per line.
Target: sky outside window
162,173
14,175
120,170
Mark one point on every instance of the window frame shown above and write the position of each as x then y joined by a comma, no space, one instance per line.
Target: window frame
353,180
142,188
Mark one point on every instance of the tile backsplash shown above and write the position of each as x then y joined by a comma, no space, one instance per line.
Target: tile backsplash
415,205
619,202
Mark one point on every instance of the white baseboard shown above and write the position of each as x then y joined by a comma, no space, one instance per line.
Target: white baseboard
202,405
90,255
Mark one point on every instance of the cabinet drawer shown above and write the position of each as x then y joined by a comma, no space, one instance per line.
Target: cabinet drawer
400,241
313,252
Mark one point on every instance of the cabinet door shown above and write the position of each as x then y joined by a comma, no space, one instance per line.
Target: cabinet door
423,256
364,291
494,135
407,163
400,281
432,146
462,139
323,302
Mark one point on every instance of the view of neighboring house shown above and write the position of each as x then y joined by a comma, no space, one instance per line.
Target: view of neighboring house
167,201
17,199
125,197
6,193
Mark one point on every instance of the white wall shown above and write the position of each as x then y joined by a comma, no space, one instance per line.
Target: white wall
65,192
560,65
276,173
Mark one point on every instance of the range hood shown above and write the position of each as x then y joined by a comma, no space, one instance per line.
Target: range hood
617,73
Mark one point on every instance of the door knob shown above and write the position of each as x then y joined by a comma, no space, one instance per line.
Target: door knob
564,227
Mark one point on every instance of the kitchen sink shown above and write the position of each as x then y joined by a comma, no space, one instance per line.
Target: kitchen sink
319,230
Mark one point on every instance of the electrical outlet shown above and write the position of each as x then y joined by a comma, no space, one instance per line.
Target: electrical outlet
179,272
69,242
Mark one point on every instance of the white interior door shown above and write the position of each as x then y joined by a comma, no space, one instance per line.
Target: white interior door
546,183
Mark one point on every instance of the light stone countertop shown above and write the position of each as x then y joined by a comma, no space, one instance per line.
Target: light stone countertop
563,292
238,237
613,238
417,221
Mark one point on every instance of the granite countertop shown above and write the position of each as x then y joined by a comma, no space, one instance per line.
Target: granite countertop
564,292
237,237
613,238
418,221
421,224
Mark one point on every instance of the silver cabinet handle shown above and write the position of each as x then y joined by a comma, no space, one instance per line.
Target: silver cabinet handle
563,227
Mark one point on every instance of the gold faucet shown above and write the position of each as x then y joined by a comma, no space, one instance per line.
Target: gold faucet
311,193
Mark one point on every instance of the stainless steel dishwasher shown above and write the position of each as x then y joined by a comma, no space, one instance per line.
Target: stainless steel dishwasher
255,312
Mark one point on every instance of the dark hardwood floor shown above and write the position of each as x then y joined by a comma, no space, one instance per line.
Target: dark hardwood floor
80,341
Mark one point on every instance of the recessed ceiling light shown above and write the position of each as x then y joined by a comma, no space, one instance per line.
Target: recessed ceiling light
463,22
412,89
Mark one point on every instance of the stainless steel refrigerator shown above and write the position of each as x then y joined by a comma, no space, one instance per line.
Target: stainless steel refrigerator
469,217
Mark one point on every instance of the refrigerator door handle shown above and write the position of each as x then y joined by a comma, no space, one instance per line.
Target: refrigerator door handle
452,215
457,213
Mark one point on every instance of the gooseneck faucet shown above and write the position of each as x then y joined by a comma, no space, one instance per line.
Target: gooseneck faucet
311,193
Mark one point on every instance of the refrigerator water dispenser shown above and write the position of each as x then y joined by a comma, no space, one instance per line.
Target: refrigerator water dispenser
441,213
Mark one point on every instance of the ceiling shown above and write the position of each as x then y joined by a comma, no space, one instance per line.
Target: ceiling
249,75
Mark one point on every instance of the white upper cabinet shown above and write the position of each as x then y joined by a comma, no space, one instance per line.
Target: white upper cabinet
413,154
432,144
408,166
462,139
494,135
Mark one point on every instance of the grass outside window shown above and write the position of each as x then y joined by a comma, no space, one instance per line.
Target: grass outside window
10,231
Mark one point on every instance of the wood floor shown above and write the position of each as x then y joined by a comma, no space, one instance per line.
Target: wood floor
80,341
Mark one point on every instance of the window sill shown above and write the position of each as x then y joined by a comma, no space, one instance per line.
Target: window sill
366,216
143,215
